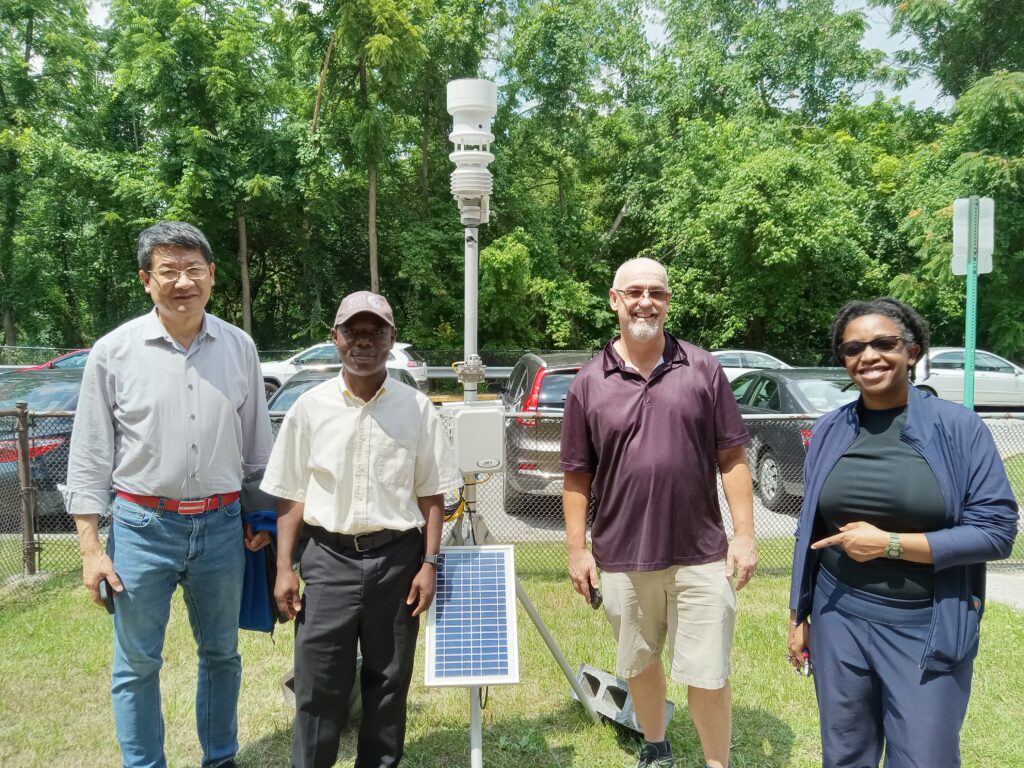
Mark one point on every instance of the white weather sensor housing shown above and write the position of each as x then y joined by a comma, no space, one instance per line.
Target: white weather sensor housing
472,105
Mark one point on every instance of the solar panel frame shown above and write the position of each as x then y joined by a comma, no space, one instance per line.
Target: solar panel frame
471,637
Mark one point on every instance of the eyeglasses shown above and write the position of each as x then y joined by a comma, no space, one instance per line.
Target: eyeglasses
881,344
374,334
168,275
635,294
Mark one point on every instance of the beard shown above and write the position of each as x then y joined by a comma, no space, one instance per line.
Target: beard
644,328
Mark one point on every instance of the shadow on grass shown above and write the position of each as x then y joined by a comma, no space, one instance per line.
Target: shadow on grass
518,742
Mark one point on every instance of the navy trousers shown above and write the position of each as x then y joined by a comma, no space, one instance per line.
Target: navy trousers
872,693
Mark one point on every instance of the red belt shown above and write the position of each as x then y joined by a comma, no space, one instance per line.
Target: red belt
193,507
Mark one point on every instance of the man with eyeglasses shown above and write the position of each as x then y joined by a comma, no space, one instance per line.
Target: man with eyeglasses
172,415
648,424
361,465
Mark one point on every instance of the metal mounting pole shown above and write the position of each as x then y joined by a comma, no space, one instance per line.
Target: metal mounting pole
971,329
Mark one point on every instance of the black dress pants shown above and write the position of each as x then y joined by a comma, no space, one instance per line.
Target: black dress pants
354,599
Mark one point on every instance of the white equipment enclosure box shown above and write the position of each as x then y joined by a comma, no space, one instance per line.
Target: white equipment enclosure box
478,435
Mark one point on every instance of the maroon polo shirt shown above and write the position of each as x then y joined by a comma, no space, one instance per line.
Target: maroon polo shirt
650,445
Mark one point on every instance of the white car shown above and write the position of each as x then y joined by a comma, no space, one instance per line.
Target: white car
276,373
736,362
997,382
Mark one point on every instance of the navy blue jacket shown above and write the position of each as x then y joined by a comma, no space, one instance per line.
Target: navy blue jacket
981,515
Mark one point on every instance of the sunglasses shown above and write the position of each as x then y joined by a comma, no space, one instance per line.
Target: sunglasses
881,344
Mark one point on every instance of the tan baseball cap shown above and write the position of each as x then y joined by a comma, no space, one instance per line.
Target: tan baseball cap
364,301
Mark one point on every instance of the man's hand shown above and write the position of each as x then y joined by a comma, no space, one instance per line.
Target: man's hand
861,541
742,559
286,593
254,542
421,593
95,568
583,571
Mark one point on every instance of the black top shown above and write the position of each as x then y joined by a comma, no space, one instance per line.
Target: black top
884,481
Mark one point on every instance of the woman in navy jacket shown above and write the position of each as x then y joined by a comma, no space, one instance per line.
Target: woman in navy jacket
906,499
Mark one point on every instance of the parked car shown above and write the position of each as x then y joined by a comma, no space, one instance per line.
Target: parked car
997,382
69,360
537,384
55,390
777,448
284,398
402,356
736,362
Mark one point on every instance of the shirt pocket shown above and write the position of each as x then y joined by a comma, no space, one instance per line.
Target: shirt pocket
395,460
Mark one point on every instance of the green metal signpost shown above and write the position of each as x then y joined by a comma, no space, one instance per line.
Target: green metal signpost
973,239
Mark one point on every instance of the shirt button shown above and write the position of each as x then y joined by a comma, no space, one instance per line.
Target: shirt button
193,417
195,475
191,386
195,447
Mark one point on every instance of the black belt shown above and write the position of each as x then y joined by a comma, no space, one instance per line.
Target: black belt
360,542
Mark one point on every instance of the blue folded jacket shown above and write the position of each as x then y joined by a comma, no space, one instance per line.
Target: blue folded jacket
257,610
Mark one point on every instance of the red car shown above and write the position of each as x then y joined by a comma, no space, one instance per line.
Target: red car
73,359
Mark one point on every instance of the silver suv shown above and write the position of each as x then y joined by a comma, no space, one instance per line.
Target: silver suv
538,384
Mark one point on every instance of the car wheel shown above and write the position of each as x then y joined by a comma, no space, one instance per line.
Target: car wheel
770,486
270,387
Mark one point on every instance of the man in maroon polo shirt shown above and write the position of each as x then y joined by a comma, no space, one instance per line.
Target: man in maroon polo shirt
647,424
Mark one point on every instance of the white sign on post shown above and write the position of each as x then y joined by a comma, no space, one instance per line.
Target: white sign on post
986,234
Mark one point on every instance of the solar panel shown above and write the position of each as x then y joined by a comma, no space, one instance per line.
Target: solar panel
471,625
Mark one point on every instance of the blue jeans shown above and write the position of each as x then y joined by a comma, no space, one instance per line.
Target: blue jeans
153,551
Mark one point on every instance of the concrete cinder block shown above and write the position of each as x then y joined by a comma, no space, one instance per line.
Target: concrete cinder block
611,697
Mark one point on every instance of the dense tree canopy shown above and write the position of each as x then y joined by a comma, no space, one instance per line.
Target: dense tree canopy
730,139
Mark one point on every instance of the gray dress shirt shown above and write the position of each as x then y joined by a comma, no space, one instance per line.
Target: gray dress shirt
157,419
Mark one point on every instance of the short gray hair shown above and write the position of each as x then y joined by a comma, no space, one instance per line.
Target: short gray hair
171,233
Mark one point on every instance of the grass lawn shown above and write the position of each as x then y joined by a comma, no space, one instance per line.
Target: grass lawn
55,706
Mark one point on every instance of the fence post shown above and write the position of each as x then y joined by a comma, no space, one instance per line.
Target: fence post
30,546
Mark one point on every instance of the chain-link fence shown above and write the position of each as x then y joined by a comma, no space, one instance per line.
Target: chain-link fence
522,505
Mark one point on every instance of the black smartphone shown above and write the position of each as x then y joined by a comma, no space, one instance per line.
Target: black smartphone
595,597
107,595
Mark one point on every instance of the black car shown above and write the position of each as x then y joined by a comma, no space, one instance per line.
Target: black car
538,385
778,447
49,441
285,397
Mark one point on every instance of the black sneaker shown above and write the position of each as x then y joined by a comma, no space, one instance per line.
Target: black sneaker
651,758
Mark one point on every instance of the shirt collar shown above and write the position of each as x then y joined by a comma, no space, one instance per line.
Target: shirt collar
152,328
355,399
671,356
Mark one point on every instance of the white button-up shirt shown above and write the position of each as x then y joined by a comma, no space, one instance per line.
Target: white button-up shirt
157,419
360,466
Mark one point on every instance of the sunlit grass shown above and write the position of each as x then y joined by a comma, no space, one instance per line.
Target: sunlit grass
55,706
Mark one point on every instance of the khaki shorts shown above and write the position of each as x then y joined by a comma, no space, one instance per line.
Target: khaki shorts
694,605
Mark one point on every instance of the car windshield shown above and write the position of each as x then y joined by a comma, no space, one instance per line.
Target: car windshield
41,395
827,394
289,393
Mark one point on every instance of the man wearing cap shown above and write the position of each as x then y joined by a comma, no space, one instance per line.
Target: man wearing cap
172,414
361,465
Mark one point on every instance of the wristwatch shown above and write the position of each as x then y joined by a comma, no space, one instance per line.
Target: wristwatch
895,550
432,559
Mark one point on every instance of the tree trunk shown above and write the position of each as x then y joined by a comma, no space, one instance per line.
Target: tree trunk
374,276
10,333
323,79
425,158
755,333
243,269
